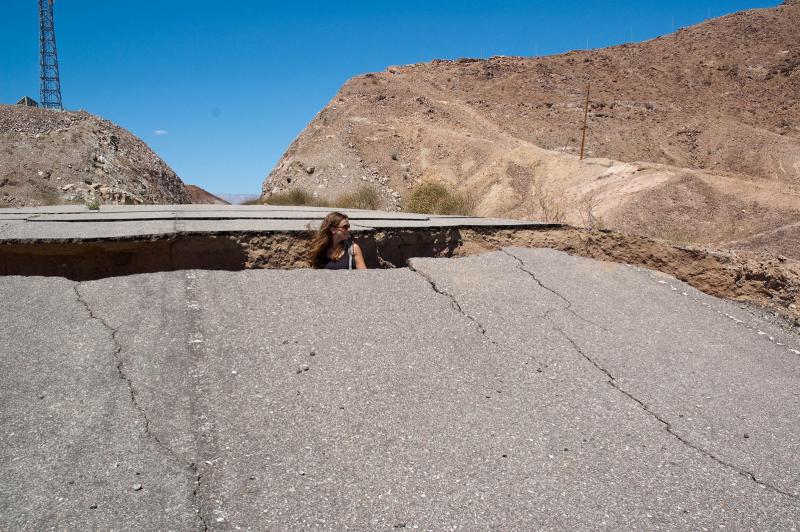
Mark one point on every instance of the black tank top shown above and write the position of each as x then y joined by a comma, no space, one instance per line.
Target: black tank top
344,261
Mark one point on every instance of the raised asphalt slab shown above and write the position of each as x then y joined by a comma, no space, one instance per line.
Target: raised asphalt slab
521,389
75,223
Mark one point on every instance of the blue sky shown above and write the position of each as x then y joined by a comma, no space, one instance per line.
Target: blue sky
220,89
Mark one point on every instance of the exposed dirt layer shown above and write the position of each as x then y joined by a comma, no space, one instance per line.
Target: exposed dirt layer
693,137
769,283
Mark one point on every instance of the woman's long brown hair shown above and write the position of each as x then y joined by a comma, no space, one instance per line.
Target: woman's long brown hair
322,239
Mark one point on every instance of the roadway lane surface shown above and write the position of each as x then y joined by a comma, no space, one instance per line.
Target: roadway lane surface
520,389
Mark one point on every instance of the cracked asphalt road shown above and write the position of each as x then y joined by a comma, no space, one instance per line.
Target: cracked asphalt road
514,390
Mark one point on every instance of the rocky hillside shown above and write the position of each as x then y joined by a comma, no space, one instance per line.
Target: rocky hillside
202,196
51,158
694,136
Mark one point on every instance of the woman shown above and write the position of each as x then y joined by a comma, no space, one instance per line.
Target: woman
332,247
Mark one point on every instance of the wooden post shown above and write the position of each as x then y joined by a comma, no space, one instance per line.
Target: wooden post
585,117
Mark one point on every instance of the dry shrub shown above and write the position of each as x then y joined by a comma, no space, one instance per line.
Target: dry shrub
587,214
435,198
551,205
365,197
296,196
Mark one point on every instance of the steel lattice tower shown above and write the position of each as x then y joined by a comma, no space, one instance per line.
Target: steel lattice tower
50,87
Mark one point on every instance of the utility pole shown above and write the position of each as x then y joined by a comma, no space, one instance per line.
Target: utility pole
585,117
50,85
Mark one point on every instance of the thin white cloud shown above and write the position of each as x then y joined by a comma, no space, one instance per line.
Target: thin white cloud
161,132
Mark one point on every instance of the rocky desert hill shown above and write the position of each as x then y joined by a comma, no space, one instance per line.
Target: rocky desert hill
202,196
54,157
692,137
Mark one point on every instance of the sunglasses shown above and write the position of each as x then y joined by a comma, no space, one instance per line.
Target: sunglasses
346,227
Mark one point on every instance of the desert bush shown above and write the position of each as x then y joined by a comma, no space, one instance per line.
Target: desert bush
296,197
365,197
587,212
435,198
551,205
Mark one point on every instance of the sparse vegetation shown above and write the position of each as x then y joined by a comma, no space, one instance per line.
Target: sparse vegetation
295,196
435,198
587,213
551,205
365,197
93,204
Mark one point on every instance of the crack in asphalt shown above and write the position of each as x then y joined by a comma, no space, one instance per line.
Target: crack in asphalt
453,302
134,400
198,478
568,308
121,369
457,307
612,381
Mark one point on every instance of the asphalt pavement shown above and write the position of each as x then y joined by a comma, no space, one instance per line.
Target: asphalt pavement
76,223
516,390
